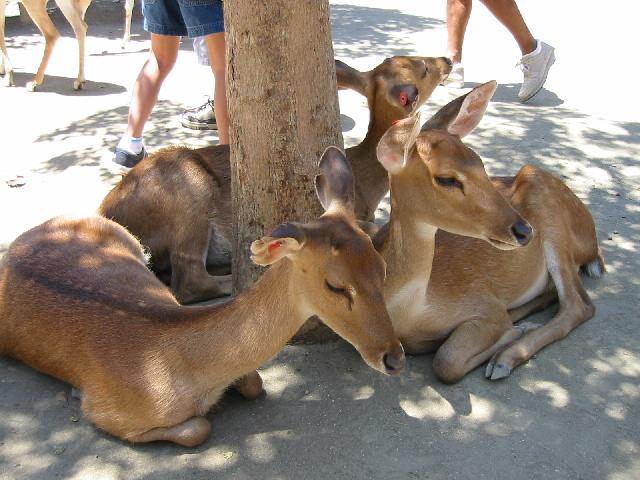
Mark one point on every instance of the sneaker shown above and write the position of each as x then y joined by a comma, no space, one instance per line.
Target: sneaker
200,118
455,78
535,67
128,159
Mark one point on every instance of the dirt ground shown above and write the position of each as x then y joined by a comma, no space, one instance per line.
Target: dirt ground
572,412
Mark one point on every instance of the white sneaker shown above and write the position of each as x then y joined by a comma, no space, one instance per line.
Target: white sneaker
456,77
535,67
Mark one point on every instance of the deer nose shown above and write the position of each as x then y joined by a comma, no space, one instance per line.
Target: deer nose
447,60
393,362
522,232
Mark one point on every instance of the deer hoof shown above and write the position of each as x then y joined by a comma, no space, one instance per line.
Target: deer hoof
32,86
499,370
78,84
8,79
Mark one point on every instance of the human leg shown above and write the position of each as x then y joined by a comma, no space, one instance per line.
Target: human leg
458,13
216,47
537,56
507,13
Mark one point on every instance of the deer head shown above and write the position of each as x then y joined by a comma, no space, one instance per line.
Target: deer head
399,84
441,182
337,274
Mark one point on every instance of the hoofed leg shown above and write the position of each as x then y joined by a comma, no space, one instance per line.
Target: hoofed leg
575,308
189,433
473,342
6,69
74,11
38,12
249,386
128,13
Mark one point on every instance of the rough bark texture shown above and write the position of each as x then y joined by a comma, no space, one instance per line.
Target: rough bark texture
283,109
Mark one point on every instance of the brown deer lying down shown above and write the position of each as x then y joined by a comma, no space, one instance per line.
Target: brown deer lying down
178,201
460,296
77,302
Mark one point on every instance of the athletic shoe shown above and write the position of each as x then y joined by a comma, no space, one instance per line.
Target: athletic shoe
128,159
535,67
200,118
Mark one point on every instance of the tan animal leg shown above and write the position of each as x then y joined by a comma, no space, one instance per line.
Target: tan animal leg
538,304
249,386
38,12
190,280
189,433
473,342
74,11
128,13
575,308
5,65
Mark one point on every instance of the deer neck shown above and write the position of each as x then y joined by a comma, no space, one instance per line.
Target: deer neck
371,178
233,339
408,251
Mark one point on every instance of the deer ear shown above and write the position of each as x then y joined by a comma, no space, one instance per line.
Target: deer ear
286,239
335,184
396,144
349,77
462,115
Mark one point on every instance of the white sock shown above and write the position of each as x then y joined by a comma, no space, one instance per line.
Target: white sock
131,144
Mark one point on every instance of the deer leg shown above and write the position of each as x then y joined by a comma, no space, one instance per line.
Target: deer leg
74,11
6,69
189,433
190,280
38,12
541,302
575,308
473,342
249,386
128,13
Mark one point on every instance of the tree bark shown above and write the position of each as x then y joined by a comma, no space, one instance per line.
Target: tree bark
283,111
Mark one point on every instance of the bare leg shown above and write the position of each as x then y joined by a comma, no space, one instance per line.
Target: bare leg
217,59
249,386
507,12
163,54
458,13
189,433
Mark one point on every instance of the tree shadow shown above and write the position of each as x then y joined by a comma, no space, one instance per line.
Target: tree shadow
361,31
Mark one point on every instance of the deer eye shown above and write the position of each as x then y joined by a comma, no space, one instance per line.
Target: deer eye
340,291
449,182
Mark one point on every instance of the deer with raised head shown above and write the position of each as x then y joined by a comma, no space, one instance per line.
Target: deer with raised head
78,302
460,291
73,11
178,200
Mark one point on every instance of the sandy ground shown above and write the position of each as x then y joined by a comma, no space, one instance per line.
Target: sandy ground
570,412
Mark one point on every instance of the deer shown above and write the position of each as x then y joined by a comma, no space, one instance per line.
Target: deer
128,14
178,200
468,256
78,302
73,11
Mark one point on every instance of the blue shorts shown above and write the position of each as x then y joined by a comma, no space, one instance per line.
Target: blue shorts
181,18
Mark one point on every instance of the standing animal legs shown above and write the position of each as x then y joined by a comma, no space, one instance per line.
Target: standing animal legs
38,12
128,13
6,69
74,11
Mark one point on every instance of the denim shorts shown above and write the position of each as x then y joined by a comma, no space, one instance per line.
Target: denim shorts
180,18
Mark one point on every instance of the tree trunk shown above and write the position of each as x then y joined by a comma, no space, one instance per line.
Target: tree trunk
283,111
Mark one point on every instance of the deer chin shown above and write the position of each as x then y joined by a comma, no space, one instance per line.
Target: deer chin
501,245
